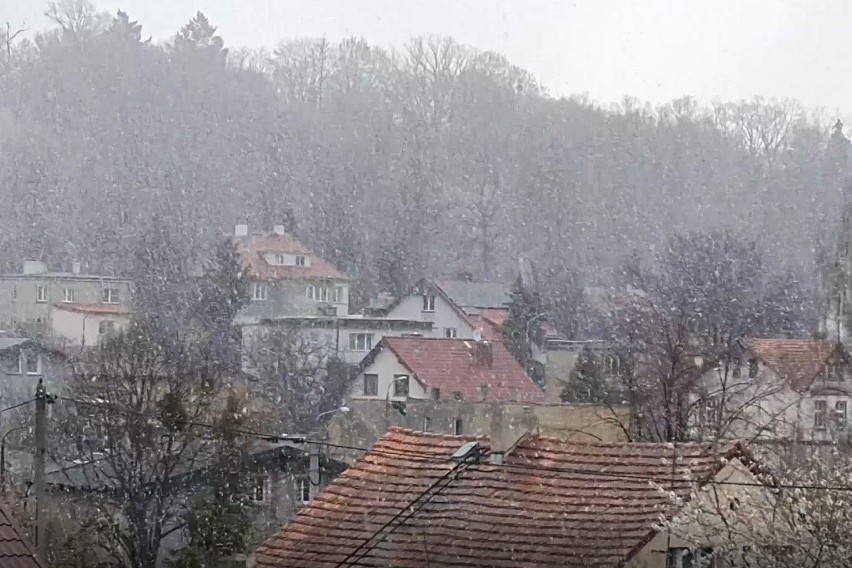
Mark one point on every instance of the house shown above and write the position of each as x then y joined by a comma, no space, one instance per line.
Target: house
84,325
779,390
15,549
287,278
23,363
33,296
432,368
456,309
349,338
282,483
430,500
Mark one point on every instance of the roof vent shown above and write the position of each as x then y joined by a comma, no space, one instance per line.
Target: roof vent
241,231
279,230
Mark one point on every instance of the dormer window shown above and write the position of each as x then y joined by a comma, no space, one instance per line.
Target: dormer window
300,261
280,259
428,303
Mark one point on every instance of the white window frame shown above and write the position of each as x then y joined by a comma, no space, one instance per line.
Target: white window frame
259,490
280,258
429,303
300,260
841,414
397,379
259,291
106,327
68,295
41,294
360,341
338,295
820,414
311,292
27,357
375,384
110,295
303,489
20,363
451,333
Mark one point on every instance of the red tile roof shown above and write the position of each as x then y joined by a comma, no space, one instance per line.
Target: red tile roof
253,247
797,361
105,309
458,366
550,504
15,549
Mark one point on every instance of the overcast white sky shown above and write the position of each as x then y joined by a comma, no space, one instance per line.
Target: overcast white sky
651,49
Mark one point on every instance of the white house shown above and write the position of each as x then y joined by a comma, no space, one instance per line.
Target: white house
85,325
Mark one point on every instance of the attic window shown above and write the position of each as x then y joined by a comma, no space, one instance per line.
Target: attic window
400,385
258,291
428,303
280,259
300,261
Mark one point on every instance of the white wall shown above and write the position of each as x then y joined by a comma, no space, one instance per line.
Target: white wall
386,366
81,328
444,316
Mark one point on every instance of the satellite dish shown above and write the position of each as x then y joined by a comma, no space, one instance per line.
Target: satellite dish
477,335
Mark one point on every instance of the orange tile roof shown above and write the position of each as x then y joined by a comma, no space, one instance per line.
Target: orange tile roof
797,361
253,247
105,309
550,504
15,549
454,366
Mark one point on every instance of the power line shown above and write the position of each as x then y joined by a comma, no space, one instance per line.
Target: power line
20,404
431,457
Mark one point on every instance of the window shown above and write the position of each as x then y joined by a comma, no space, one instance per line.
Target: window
17,365
436,394
611,365
833,372
41,294
110,296
840,414
458,427
819,414
311,292
303,490
690,558
371,385
32,363
339,295
360,341
280,259
428,303
451,332
258,489
68,295
753,368
318,293
258,291
400,385
106,327
300,261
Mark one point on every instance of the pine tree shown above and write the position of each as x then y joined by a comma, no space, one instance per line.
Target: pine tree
586,383
523,328
220,520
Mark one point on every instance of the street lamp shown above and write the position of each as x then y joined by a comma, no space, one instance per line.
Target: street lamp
3,456
343,409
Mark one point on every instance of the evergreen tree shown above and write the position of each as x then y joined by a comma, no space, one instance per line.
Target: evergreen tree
523,328
220,520
837,153
586,383
199,36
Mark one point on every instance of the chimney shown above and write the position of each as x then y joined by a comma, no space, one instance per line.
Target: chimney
75,267
279,230
241,231
507,430
484,353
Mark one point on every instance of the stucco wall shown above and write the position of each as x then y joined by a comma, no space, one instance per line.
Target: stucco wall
444,316
18,295
83,328
386,365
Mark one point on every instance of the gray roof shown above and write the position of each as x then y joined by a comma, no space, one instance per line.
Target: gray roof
477,294
9,342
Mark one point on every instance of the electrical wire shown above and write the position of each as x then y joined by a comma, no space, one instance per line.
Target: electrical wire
14,406
431,457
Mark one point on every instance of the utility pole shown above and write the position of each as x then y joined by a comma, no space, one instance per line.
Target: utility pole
41,401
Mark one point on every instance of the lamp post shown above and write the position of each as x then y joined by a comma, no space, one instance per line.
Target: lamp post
343,409
3,456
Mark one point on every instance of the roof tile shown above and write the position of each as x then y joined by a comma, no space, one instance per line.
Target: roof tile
551,503
252,248
459,366
797,361
15,550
